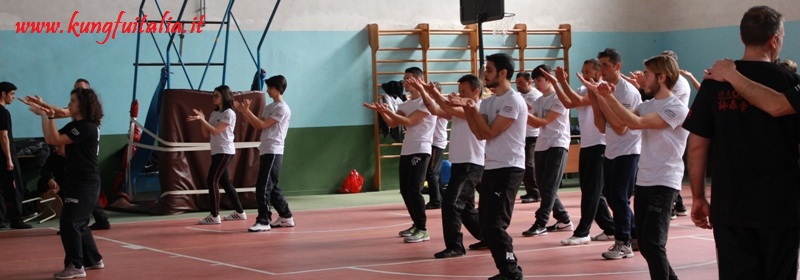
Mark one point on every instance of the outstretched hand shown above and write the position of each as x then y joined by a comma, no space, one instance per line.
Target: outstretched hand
589,84
198,115
636,78
242,106
561,74
605,89
458,101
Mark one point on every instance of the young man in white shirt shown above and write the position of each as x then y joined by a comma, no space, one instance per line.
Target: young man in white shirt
552,119
530,94
467,155
500,120
415,153
623,147
661,166
590,166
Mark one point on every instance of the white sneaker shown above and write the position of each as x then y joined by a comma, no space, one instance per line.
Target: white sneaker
574,240
282,222
210,220
258,227
236,216
602,237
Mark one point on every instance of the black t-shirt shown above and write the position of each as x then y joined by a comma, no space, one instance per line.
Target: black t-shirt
82,153
756,177
5,124
793,95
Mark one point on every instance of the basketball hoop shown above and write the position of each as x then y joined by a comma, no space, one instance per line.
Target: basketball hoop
501,27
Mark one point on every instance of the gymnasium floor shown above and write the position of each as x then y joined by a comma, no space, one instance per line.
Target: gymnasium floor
351,236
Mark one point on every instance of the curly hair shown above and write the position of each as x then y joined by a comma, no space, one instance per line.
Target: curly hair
89,103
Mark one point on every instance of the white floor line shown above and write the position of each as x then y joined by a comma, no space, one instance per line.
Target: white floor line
305,232
139,247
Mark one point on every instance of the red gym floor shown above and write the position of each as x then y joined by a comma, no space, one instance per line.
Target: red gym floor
348,243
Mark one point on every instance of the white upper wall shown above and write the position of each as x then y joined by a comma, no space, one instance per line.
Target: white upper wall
351,15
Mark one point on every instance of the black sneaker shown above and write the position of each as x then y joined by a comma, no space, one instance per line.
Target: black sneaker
448,253
100,226
480,245
503,277
20,225
535,230
430,206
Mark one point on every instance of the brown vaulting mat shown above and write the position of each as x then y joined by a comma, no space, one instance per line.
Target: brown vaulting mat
188,170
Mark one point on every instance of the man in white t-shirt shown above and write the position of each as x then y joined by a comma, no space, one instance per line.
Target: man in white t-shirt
530,94
500,120
552,119
274,124
590,166
661,165
435,166
467,156
415,153
623,147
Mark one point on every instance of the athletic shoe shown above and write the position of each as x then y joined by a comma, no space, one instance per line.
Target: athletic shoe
70,272
97,265
448,253
20,225
535,230
681,211
210,220
259,227
574,240
283,222
618,251
236,216
418,236
502,277
673,215
529,199
635,245
561,227
603,237
480,245
430,206
407,232
100,226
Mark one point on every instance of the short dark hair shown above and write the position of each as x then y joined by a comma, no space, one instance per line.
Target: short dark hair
612,55
415,71
502,61
7,87
474,82
759,24
594,62
524,75
82,80
277,82
537,72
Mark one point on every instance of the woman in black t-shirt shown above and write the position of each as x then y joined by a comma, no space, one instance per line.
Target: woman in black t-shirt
81,138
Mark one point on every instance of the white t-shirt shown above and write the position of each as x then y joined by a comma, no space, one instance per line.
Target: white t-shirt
530,97
418,137
630,142
464,146
508,148
661,162
223,143
682,90
590,135
555,133
272,138
440,133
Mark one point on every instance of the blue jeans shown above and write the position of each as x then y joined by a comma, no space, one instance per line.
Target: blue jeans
620,176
